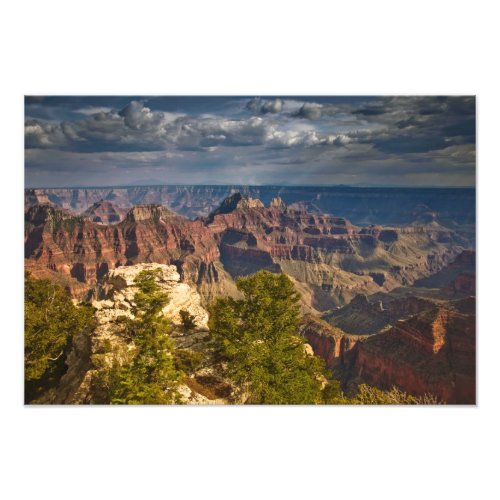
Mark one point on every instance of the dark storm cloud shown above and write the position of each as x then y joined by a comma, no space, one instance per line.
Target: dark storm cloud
237,139
421,124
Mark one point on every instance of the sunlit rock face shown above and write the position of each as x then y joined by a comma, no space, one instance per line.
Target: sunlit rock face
118,290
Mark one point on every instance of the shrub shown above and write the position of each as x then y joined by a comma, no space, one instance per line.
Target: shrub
187,319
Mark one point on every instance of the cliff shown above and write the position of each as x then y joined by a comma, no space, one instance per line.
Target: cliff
77,248
331,344
104,212
433,352
237,201
363,316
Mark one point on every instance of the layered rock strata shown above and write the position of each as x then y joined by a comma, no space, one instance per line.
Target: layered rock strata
433,352
333,258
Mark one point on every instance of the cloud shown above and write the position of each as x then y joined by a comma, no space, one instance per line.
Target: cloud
265,106
274,106
39,134
93,110
136,116
403,135
310,110
137,127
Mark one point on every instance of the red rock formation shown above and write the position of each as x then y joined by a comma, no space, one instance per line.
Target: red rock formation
76,247
464,283
104,212
364,206
242,236
329,343
362,316
433,352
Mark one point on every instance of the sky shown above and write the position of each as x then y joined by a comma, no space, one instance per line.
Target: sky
426,141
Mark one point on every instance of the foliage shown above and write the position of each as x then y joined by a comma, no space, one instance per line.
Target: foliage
105,380
51,320
368,395
187,319
187,361
332,394
258,337
152,376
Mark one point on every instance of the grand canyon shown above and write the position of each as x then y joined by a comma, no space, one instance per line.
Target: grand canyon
386,277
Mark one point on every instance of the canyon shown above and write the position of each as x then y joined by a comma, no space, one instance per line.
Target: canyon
332,259
387,297
450,206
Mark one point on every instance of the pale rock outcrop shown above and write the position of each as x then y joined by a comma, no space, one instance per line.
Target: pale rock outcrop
277,203
188,396
119,288
106,344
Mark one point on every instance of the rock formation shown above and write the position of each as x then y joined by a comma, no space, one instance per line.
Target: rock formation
362,316
104,212
333,258
399,300
433,352
106,344
363,206
236,202
277,203
333,345
116,294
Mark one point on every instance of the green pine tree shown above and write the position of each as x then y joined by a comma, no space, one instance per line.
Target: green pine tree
50,322
152,376
258,337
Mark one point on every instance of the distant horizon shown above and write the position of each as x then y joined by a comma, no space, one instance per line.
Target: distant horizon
341,186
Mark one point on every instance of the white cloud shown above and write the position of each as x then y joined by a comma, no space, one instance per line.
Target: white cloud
274,106
43,134
93,110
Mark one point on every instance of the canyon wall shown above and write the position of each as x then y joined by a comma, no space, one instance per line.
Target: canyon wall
431,353
333,257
